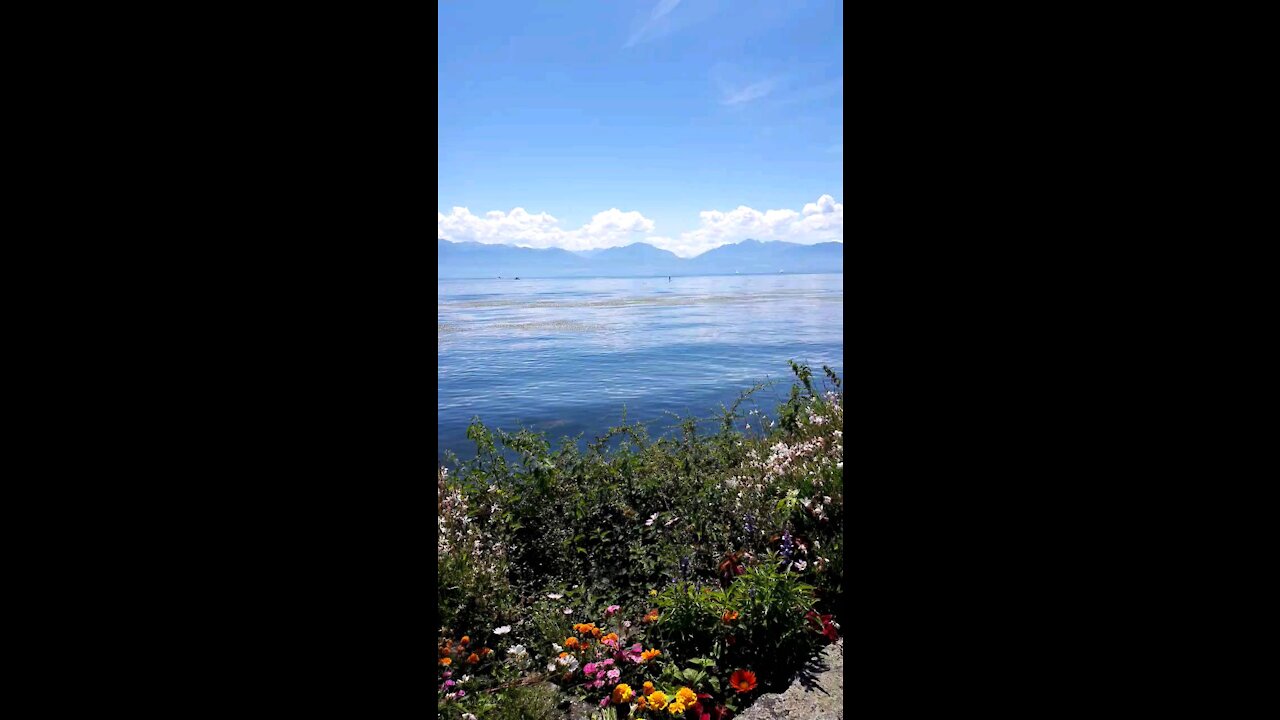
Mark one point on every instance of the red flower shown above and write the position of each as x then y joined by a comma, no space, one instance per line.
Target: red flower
744,681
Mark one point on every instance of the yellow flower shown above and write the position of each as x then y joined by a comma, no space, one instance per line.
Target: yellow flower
676,708
622,693
657,700
653,592
686,696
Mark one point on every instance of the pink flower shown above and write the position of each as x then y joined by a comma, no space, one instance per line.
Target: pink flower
612,609
604,701
597,684
606,662
614,674
589,668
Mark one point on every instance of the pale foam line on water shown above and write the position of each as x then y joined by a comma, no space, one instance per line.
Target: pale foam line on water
634,301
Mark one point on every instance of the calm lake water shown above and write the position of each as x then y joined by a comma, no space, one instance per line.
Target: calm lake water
564,356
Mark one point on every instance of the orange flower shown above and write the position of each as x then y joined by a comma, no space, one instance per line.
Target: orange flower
446,661
595,633
641,701
484,651
472,659
744,681
652,616
571,642
729,616
584,645
465,639
610,636
648,688
648,655
564,654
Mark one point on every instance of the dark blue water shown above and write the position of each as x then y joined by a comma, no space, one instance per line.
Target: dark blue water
564,356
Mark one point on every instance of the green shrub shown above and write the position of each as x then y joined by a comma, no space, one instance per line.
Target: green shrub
714,518
756,623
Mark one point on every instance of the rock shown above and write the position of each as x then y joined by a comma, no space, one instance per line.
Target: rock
812,696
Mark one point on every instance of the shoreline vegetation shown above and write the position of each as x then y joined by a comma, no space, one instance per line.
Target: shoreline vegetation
678,577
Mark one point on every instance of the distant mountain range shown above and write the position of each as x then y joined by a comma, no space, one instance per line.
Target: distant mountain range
478,260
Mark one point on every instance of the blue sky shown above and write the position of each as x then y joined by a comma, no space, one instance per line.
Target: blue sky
685,123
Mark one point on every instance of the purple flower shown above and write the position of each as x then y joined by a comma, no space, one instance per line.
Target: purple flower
449,683
448,673
462,693
604,701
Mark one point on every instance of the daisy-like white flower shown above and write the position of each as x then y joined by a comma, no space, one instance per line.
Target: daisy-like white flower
502,630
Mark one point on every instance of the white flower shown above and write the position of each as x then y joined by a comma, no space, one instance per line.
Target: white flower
494,508
800,564
626,623
556,647
668,523
651,519
555,596
516,650
551,666
502,630
840,465
826,499
568,611
748,426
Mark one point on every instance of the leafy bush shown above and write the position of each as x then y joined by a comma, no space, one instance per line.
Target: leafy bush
694,525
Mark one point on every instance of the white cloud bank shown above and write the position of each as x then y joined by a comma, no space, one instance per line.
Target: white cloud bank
820,221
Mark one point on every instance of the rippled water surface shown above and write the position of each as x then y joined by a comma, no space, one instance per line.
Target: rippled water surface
563,356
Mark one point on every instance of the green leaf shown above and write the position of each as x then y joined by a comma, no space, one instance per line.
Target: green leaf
690,674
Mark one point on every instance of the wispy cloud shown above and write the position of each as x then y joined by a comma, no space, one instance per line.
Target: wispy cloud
754,91
648,30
